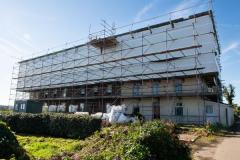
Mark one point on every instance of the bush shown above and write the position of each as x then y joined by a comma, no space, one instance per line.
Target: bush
151,141
162,142
59,125
9,144
214,127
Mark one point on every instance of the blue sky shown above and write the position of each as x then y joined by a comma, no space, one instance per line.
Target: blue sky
29,26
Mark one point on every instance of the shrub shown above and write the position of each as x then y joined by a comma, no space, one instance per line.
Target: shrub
214,127
152,140
59,125
162,142
9,144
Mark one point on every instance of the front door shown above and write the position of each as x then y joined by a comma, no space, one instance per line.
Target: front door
156,110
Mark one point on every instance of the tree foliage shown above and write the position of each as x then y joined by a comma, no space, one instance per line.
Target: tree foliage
229,93
9,146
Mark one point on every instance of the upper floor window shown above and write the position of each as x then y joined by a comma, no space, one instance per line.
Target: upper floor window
155,88
81,107
82,91
136,89
109,88
65,92
178,87
95,89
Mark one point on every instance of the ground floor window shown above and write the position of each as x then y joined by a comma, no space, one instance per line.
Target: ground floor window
179,109
136,110
156,110
22,107
209,109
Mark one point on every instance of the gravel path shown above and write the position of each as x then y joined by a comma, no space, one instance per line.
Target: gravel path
227,148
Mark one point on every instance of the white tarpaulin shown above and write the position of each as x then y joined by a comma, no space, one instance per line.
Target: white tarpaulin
115,114
73,108
61,108
52,108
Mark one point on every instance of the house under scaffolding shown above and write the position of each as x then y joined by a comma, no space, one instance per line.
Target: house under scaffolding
169,70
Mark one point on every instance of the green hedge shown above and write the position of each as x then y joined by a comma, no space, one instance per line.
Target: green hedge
9,146
58,125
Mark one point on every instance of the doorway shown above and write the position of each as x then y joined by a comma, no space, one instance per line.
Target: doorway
156,110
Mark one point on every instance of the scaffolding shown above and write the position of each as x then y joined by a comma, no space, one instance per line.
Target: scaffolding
98,72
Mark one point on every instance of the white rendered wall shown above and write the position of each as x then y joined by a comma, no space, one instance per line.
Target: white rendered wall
194,110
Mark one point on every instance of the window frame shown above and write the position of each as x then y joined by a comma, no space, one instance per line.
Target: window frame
207,109
155,88
179,109
136,89
178,87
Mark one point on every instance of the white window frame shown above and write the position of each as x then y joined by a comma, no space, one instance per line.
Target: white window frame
155,88
22,106
209,108
177,107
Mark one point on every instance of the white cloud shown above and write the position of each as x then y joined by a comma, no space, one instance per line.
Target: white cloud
144,11
27,36
232,46
22,38
9,45
186,8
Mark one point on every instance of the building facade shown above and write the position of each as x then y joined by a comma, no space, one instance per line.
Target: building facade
169,70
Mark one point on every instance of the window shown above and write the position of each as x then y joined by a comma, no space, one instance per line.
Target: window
95,89
156,110
81,107
179,109
65,92
178,87
109,88
16,107
155,88
55,93
209,109
22,107
136,110
82,91
46,94
136,89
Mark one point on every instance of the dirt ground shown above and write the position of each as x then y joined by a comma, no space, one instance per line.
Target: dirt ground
225,147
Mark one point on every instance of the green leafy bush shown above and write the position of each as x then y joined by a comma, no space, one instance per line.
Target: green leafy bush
9,146
150,141
162,142
214,127
59,125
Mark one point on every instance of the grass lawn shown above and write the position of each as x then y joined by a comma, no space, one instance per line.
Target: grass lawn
45,147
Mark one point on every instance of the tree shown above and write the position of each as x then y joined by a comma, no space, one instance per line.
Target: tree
229,93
